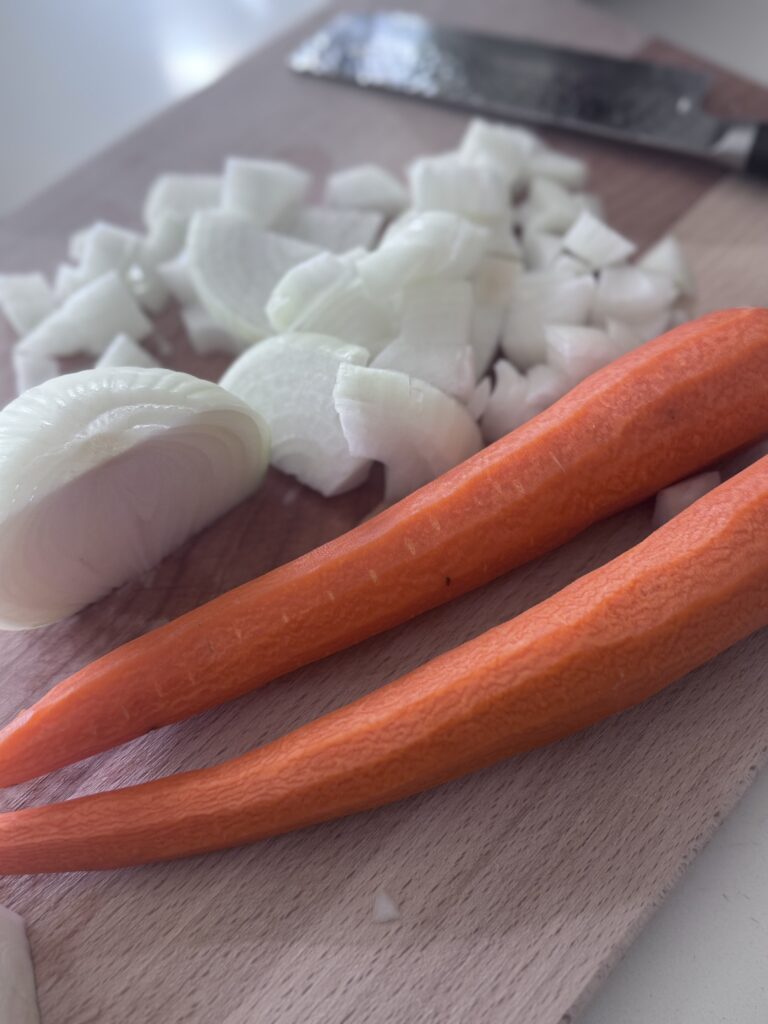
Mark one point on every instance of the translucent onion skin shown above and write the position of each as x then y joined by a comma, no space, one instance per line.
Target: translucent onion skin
104,472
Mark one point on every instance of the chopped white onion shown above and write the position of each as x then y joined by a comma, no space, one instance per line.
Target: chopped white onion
626,336
103,247
673,500
593,241
88,320
478,192
541,249
540,298
569,266
204,334
18,999
485,334
66,281
568,171
508,148
666,257
550,207
433,344
414,429
493,284
577,351
103,472
124,351
289,380
181,195
25,300
177,278
235,264
502,241
31,368
433,244
385,910
366,187
326,295
479,399
517,397
631,293
164,240
336,230
266,191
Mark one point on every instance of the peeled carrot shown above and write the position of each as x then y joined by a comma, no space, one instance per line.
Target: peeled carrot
604,643
646,420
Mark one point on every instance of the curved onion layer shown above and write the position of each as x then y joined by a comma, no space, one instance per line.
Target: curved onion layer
517,397
326,295
234,265
18,1001
263,190
673,500
104,472
434,340
89,320
539,298
335,230
289,381
25,300
432,244
414,429
366,187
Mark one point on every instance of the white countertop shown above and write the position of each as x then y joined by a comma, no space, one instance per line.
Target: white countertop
703,958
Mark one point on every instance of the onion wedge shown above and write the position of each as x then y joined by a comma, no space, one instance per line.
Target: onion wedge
104,472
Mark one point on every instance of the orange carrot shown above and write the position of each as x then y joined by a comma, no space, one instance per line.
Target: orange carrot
652,417
604,643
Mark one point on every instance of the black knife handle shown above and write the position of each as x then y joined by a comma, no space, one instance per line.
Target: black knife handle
757,161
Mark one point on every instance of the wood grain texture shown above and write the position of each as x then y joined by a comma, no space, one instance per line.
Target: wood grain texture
518,887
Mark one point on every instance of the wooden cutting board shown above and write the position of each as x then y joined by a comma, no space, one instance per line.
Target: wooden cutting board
518,887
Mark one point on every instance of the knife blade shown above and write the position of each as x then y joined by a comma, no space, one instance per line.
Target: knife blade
641,102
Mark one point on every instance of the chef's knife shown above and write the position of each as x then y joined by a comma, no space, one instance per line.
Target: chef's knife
634,101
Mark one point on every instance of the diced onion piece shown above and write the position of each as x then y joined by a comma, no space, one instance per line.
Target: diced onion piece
593,241
550,207
433,343
673,500
518,397
31,368
25,300
289,380
204,334
263,190
508,148
18,999
89,320
626,336
541,249
666,257
502,241
485,334
366,187
177,278
493,284
385,910
103,472
148,287
164,240
433,244
181,195
235,264
568,171
569,266
336,230
736,463
577,351
478,192
479,399
414,429
325,295
67,280
104,247
124,351
632,294
540,298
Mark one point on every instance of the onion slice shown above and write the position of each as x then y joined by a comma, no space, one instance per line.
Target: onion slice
103,472
234,265
673,500
414,429
289,380
18,999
